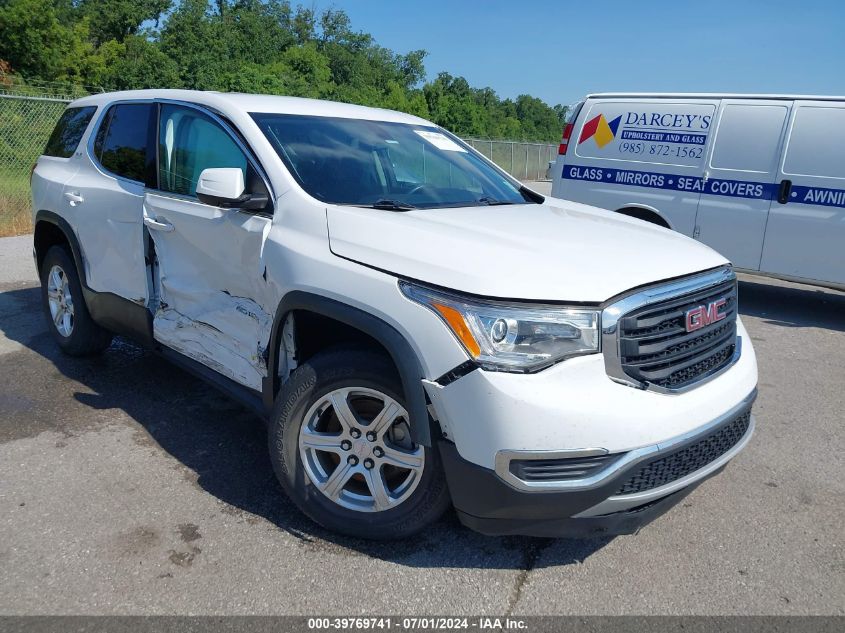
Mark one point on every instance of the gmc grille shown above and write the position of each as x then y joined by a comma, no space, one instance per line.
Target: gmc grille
656,349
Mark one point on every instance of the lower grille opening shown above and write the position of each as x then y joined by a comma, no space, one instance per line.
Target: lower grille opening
684,461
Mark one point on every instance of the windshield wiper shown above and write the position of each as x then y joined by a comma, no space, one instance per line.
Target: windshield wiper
491,201
531,196
392,205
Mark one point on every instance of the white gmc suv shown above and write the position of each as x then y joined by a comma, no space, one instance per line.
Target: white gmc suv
417,328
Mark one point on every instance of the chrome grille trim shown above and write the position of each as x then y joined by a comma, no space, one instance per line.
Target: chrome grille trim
664,292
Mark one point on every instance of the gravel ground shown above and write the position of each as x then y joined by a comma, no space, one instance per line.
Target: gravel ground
129,487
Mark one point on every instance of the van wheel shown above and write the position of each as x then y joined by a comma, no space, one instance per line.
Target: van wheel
341,447
64,307
645,215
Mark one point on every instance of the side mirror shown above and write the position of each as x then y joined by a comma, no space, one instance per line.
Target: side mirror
224,187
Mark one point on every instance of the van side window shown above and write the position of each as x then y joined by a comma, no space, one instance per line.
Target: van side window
68,131
189,142
748,137
817,143
121,142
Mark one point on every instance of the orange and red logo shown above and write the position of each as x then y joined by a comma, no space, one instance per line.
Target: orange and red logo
599,129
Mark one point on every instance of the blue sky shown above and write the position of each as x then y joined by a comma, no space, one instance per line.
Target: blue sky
560,51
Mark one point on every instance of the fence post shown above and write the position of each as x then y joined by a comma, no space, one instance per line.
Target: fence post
510,171
526,162
540,162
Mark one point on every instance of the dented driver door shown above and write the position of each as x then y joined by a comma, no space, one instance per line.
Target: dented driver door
210,293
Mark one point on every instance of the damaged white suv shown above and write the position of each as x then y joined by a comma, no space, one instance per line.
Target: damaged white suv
417,327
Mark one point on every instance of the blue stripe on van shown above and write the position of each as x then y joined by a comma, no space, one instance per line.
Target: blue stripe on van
636,178
821,196
713,186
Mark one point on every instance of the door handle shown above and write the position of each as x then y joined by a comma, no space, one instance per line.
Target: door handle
159,225
784,191
74,198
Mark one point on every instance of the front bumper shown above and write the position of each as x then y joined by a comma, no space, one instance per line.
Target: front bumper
574,405
625,495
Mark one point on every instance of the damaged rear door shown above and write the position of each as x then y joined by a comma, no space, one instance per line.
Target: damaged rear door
212,296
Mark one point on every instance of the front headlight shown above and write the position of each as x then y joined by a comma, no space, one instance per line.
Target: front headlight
508,336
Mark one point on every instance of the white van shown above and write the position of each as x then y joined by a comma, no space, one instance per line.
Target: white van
759,178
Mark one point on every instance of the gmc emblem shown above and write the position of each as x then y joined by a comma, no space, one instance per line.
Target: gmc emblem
699,316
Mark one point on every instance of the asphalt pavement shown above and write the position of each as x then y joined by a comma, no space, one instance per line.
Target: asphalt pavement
130,487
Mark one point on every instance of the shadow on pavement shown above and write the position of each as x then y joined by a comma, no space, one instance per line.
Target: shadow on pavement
792,305
222,443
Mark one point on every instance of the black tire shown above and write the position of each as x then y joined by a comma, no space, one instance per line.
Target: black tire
644,215
309,383
86,338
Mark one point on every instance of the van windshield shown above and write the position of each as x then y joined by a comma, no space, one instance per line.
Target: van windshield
384,165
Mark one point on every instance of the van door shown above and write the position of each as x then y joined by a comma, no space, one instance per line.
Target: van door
805,236
214,303
739,178
638,154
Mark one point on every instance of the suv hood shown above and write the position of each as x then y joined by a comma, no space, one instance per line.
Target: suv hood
556,251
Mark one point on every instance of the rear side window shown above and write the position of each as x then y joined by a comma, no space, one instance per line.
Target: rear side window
123,138
68,132
817,143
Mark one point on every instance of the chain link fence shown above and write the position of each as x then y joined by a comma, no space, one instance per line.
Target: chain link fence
526,161
25,126
28,114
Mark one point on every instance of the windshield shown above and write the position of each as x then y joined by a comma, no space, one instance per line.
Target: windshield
384,165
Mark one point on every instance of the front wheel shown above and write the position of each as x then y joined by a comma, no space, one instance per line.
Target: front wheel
341,447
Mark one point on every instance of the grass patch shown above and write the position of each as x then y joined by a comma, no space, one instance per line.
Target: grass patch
15,205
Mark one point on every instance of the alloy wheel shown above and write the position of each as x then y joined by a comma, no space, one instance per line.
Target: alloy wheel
356,448
60,300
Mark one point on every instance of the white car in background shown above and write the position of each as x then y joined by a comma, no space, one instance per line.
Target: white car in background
441,336
760,178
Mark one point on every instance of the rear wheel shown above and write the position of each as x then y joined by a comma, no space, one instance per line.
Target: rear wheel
64,307
341,446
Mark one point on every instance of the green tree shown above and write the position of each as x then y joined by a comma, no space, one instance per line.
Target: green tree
256,78
306,71
264,46
304,25
37,43
562,113
190,37
538,120
255,31
136,62
117,19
